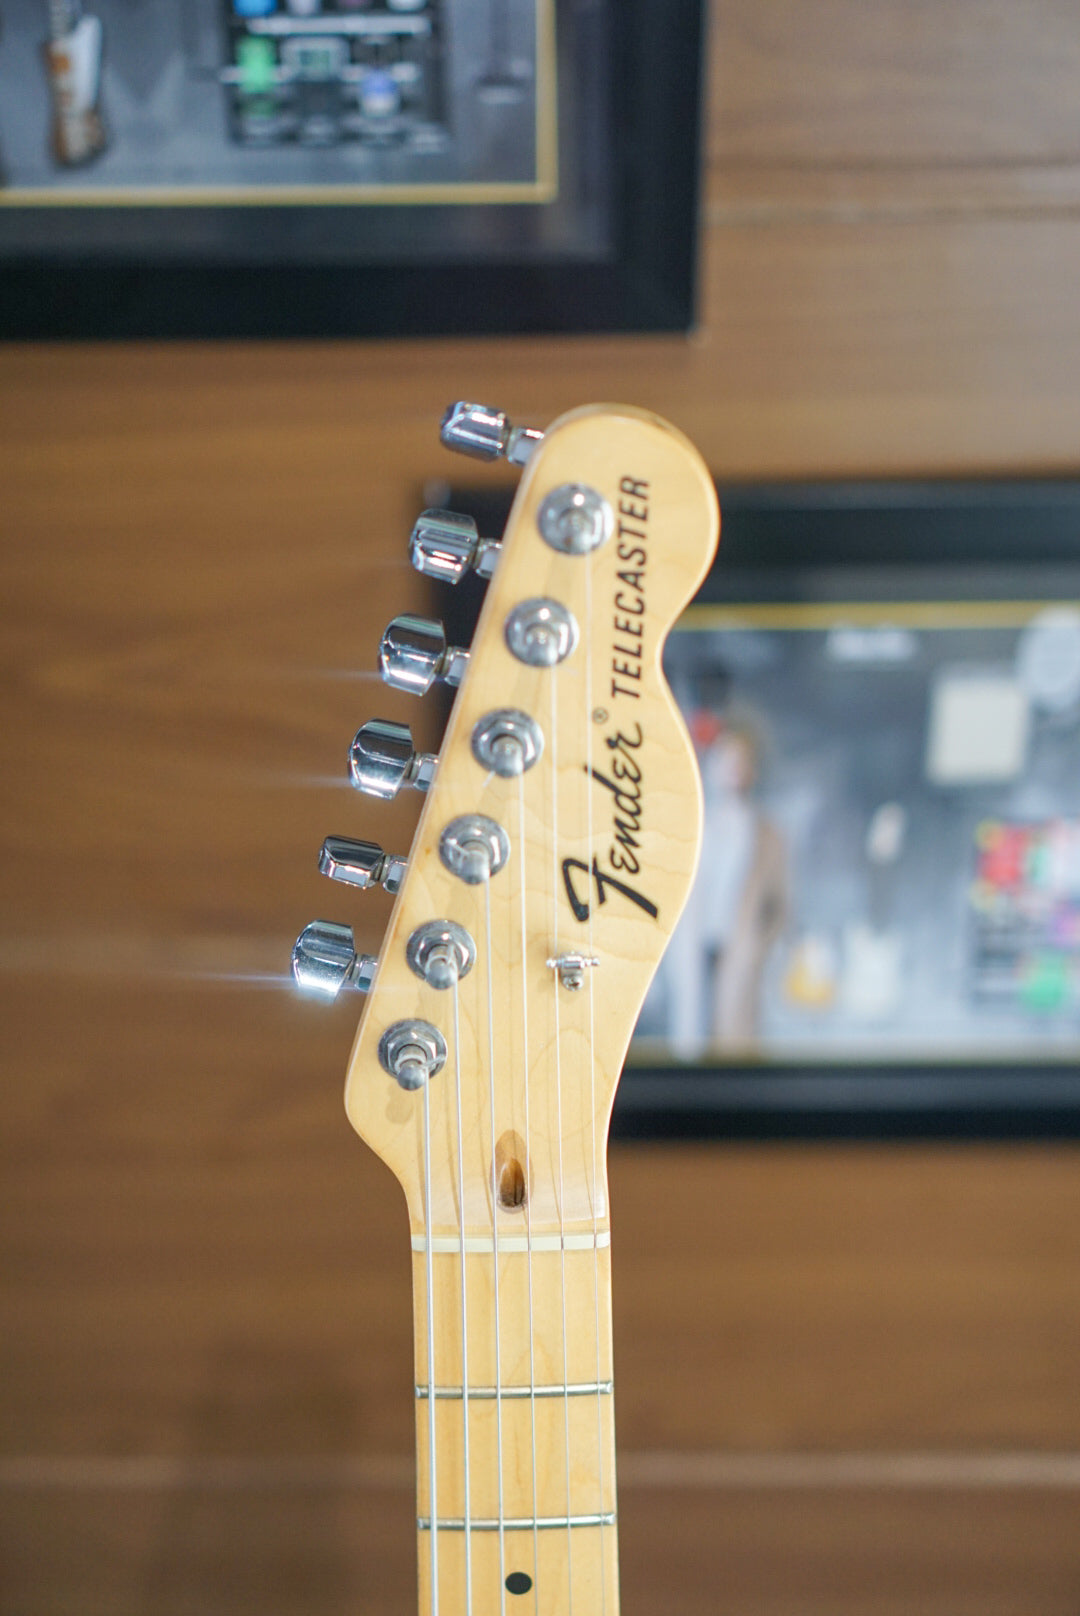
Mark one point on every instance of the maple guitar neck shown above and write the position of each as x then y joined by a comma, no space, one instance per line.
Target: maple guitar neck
533,1351
553,856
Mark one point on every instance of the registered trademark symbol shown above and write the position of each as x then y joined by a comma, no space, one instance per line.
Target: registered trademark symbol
599,715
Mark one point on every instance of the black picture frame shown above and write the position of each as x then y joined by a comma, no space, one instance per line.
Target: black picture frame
819,543
642,280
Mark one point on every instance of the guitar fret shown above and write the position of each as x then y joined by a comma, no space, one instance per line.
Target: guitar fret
450,1244
522,1523
586,1388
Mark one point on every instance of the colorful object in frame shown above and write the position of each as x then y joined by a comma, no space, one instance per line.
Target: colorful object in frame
1025,903
358,74
73,63
258,71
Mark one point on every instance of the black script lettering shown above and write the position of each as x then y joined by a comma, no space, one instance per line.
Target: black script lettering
619,740
626,801
603,880
626,793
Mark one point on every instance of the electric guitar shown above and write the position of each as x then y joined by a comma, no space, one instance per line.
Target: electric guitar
553,856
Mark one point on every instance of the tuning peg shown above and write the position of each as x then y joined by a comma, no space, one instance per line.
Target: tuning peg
382,760
486,434
445,545
413,653
324,960
361,864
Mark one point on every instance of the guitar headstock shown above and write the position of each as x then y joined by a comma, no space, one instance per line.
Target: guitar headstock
559,836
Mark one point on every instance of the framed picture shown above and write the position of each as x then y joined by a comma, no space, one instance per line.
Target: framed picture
347,167
883,685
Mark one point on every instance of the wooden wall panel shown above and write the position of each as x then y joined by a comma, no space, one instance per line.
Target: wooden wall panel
204,1365
905,82
323,1549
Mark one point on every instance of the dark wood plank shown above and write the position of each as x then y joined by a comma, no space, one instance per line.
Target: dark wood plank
850,1554
847,347
198,1257
857,194
325,1551
978,82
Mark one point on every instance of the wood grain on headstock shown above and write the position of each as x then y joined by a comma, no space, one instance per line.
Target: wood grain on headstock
606,708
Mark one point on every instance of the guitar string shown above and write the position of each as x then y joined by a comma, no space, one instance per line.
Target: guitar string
558,1116
590,971
495,1242
528,1184
433,1501
464,1306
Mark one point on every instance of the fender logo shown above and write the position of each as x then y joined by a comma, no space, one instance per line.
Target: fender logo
626,790
603,879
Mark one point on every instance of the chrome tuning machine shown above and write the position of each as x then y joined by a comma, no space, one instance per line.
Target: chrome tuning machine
487,434
382,760
324,960
413,653
445,545
361,864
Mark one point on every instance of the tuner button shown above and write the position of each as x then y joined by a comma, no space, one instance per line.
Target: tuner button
382,760
445,545
413,653
324,960
487,434
361,864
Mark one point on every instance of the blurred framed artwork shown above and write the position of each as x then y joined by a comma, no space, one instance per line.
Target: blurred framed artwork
883,686
347,167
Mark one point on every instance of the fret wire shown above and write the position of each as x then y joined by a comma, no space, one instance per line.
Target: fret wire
510,1244
587,1388
523,1523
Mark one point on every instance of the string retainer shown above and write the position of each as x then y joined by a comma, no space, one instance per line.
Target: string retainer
571,968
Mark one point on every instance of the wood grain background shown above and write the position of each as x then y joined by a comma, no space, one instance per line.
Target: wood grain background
848,1379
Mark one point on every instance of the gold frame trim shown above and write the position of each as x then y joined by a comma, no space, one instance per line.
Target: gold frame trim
933,614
